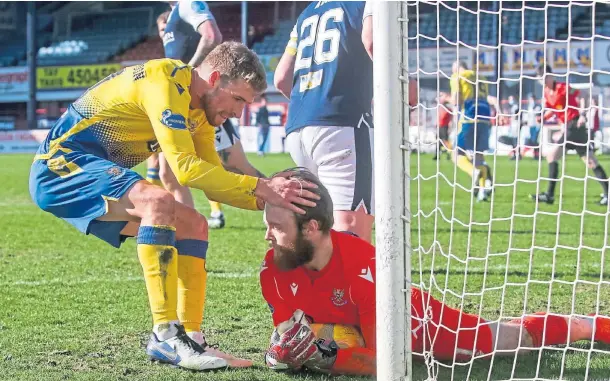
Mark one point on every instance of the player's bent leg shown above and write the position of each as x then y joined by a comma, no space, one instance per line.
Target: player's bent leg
192,245
181,193
465,143
591,161
174,284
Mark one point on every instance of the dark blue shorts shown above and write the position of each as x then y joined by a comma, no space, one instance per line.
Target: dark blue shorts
474,125
75,186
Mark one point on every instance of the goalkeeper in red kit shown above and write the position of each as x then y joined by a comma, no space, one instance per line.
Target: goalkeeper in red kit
314,275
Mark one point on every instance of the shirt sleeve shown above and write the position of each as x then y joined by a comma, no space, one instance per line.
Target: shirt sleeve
167,111
204,140
194,12
280,310
291,48
368,9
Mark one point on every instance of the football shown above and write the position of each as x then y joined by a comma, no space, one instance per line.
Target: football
346,336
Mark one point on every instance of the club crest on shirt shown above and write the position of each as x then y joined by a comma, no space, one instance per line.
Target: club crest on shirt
337,297
115,171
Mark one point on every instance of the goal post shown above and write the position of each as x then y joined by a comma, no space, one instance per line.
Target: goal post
508,256
391,191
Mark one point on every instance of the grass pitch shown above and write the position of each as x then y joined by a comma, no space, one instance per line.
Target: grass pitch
73,307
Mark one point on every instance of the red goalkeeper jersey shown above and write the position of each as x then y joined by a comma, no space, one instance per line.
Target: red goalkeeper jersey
341,293
562,100
344,293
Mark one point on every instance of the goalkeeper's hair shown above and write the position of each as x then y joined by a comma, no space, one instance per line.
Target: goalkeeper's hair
235,61
323,211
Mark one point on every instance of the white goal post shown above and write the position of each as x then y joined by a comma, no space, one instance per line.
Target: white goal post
508,257
392,191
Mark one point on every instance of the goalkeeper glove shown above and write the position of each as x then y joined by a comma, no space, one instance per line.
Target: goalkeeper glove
293,344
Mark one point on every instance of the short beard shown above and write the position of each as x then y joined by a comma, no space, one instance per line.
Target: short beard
204,104
289,258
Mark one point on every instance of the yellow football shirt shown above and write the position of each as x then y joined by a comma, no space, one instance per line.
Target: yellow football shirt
466,84
144,109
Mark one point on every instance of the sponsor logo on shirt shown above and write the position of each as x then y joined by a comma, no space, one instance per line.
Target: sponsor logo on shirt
337,297
171,120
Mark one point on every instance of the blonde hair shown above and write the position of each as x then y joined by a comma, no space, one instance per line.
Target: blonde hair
235,61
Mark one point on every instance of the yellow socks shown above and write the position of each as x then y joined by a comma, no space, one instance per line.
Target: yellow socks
159,260
192,277
483,176
216,208
465,165
152,176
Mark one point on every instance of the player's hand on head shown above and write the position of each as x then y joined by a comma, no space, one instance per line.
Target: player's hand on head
293,343
286,192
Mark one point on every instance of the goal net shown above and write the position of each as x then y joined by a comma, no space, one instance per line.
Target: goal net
509,256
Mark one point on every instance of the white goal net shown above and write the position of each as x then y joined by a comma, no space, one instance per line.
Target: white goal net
510,256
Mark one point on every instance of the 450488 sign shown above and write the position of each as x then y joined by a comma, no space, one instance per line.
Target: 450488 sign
73,77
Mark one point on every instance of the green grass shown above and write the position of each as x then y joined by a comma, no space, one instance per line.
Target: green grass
73,307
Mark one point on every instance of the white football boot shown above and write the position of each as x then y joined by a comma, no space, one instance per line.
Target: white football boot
181,351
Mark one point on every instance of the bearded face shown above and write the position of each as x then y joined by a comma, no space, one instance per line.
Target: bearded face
293,254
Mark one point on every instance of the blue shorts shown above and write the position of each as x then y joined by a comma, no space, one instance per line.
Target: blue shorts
474,124
75,187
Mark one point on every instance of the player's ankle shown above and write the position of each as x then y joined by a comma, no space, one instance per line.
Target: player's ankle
166,331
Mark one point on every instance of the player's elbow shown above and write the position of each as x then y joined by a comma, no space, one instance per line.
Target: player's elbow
283,82
279,78
217,38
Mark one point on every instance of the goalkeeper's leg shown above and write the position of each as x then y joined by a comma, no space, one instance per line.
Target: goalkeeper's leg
543,329
455,335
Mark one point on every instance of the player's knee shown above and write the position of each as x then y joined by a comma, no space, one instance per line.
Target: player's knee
160,203
190,224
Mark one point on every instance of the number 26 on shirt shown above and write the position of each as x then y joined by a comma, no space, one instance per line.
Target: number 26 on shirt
319,35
